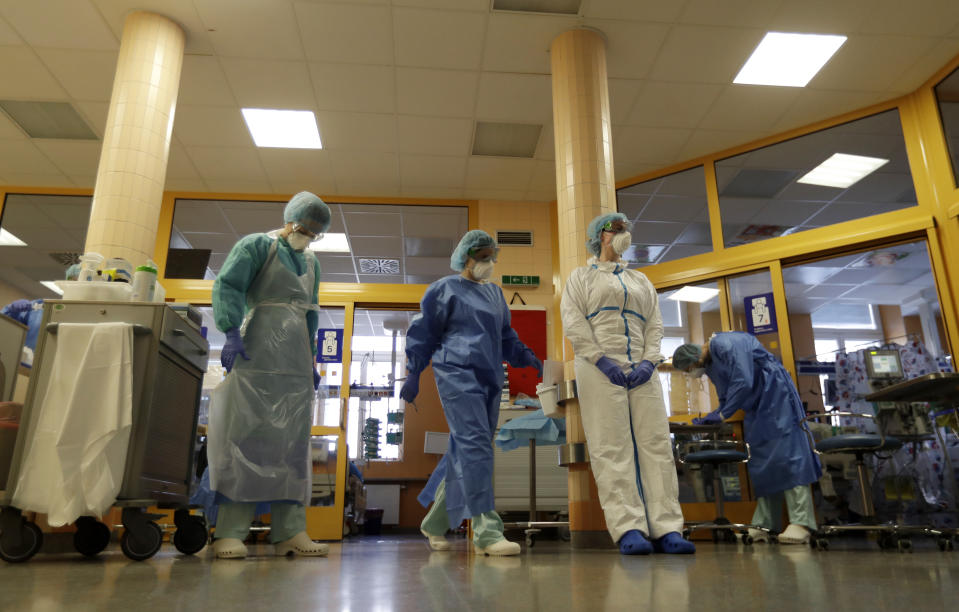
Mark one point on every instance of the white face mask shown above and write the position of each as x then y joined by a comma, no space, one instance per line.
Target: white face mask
621,242
697,372
482,270
298,241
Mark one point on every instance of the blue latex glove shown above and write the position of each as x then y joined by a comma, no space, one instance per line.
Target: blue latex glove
410,388
232,348
18,306
316,379
612,371
641,375
713,418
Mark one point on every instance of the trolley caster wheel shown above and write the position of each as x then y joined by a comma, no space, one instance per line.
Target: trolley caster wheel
746,539
729,536
191,536
945,544
886,541
686,533
30,540
564,534
904,546
91,537
821,544
143,543
530,541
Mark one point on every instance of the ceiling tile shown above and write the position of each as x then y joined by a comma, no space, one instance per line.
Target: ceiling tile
291,165
637,10
703,142
546,149
653,232
348,33
23,76
813,105
34,180
180,11
9,37
432,171
251,217
632,48
212,126
438,39
22,157
240,186
262,30
357,131
648,145
354,87
377,246
495,195
787,213
59,23
445,93
622,94
460,5
179,165
72,158
766,105
176,184
363,167
917,18
544,178
517,98
423,227
331,264
737,13
378,279
434,135
942,53
338,278
218,243
428,265
10,130
846,211
510,174
672,208
198,216
702,54
518,42
673,104
320,185
429,192
95,114
871,63
373,224
86,75
820,16
269,84
202,82
220,163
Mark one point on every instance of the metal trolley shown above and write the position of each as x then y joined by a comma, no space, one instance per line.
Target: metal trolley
169,360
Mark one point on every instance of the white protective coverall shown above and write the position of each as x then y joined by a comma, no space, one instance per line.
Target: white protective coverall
610,311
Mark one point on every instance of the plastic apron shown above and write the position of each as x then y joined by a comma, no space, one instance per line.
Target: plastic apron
260,415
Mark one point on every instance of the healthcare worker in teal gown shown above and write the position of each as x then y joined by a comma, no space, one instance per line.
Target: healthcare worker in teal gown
465,330
265,301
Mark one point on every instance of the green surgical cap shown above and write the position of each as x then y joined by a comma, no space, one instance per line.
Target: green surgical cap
594,231
687,355
309,211
472,240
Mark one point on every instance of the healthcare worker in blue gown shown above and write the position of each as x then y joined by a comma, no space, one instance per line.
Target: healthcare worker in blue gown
265,301
782,463
611,317
465,330
30,313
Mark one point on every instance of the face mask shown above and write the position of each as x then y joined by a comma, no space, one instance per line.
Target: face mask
482,270
697,372
298,241
621,242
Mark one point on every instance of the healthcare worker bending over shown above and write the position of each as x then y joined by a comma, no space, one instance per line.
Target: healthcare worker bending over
611,317
782,464
465,330
264,299
30,313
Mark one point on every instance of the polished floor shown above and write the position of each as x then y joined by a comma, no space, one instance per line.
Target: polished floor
400,573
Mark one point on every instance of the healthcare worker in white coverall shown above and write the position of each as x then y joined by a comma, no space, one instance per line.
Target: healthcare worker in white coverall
611,317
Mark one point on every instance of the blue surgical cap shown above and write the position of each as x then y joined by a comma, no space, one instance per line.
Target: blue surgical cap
595,230
471,241
686,355
309,211
73,272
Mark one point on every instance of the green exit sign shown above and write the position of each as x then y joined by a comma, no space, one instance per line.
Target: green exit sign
520,281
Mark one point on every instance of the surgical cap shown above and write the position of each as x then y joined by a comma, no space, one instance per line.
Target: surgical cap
686,355
73,272
471,241
595,230
309,211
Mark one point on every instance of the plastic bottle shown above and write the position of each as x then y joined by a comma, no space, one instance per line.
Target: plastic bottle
89,263
144,282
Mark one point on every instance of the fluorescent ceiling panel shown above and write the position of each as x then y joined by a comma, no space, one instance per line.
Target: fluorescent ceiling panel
556,7
331,243
52,287
282,129
506,139
788,60
48,120
694,294
8,239
842,170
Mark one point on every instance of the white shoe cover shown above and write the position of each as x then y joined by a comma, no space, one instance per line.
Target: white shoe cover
758,535
229,548
794,534
500,548
301,544
437,542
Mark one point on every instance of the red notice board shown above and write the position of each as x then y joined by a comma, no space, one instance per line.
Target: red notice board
530,325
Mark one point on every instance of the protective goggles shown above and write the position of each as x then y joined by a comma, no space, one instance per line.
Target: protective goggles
305,231
615,227
490,255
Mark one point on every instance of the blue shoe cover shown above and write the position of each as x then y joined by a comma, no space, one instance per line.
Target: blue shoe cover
673,544
634,543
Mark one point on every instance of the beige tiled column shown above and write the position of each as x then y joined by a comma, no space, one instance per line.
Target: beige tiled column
136,144
584,189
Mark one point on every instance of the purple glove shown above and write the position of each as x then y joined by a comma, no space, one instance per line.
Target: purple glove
410,388
18,306
641,375
713,418
232,348
612,371
530,360
316,379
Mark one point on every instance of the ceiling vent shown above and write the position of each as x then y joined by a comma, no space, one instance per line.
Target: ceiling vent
48,120
379,266
65,258
554,7
506,139
758,183
514,238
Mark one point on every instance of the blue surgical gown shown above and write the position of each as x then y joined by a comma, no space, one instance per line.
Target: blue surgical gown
748,377
465,330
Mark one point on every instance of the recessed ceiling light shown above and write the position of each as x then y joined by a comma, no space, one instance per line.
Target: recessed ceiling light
52,286
8,239
284,129
694,294
842,170
788,60
331,243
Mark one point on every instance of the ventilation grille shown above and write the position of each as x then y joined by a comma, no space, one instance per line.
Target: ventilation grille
65,258
517,238
551,7
379,266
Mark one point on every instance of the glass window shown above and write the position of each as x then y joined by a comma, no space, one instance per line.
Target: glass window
947,95
670,217
366,243
770,192
751,298
40,237
323,460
